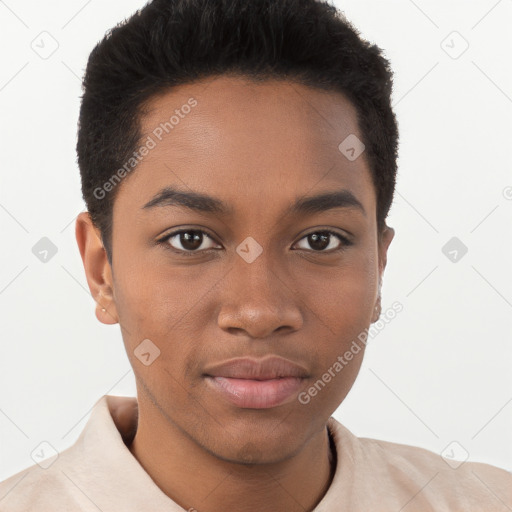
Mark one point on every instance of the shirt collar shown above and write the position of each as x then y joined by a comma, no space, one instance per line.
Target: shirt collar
112,425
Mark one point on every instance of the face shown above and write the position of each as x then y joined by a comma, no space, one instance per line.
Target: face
249,275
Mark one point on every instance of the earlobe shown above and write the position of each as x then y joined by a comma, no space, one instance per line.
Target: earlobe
377,309
106,311
384,241
97,268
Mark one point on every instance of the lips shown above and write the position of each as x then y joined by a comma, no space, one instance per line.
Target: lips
256,384
257,369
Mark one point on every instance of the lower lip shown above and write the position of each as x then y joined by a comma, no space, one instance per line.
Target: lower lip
256,394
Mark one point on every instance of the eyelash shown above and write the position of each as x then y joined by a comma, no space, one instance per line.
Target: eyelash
345,242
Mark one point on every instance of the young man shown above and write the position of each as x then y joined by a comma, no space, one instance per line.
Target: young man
238,162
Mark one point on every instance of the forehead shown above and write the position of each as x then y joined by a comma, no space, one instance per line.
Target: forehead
243,141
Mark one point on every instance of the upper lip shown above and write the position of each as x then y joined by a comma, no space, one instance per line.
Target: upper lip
273,367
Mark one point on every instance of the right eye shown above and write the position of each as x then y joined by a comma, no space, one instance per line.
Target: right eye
188,241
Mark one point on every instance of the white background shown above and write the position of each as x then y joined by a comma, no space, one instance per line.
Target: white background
439,372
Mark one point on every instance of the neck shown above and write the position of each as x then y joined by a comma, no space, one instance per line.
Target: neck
196,479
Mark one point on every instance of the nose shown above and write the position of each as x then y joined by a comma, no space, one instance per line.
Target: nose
258,300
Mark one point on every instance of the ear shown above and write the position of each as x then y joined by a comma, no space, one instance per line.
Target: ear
384,240
97,268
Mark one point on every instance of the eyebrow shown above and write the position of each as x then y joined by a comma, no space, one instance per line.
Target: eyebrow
203,203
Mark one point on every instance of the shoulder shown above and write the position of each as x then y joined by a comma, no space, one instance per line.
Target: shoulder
57,482
456,483
37,488
425,477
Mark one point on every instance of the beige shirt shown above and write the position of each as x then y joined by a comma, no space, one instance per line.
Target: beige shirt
99,473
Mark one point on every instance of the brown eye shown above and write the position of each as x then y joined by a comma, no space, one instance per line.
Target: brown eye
189,240
325,241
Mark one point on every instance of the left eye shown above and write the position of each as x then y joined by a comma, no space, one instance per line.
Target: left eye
321,240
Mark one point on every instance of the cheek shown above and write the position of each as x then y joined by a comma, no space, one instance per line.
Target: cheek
165,308
344,297
147,297
149,308
342,311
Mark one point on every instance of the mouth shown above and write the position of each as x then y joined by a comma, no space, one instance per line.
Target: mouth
256,383
255,393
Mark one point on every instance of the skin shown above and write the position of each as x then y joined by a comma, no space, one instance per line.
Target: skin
279,140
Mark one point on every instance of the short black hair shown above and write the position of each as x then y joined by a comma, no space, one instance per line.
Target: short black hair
173,42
